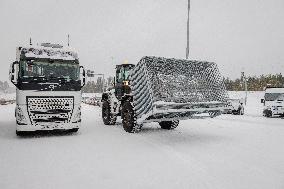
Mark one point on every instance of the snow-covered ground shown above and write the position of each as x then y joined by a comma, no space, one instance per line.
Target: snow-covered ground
8,96
225,152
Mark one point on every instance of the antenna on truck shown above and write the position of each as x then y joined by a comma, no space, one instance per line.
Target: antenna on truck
68,39
31,41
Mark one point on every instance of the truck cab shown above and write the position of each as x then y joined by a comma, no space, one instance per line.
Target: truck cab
273,102
48,80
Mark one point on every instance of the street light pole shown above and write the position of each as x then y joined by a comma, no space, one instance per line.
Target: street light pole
187,44
244,80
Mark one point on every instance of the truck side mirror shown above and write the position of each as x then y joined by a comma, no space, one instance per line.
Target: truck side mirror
13,74
262,100
82,76
114,81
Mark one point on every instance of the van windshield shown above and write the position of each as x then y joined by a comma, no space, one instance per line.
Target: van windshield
273,96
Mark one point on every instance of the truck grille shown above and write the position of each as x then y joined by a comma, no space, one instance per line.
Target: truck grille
43,110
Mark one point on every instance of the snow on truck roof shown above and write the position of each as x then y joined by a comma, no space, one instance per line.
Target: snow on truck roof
47,50
274,90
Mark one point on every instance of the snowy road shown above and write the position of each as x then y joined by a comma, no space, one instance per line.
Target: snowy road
225,152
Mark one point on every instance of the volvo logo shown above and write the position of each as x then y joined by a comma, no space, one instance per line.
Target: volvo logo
51,87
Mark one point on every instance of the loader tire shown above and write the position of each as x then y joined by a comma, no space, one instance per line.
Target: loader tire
169,125
108,117
129,118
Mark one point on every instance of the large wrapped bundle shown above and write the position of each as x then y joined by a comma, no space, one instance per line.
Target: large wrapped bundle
157,81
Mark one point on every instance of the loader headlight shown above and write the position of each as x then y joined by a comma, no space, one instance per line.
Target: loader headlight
126,83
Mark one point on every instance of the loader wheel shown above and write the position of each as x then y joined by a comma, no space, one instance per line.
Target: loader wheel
108,117
129,119
169,125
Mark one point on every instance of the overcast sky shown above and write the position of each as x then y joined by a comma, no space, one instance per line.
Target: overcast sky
239,35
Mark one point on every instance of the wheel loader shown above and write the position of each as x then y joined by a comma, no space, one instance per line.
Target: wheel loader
164,90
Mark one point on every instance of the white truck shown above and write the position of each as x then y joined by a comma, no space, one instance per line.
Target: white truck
273,102
48,79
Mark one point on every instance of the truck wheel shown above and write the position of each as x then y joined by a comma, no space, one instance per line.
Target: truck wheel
74,130
169,125
108,117
129,119
22,133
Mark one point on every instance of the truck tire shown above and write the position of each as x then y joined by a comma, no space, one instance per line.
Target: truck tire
169,125
20,133
74,130
108,117
129,118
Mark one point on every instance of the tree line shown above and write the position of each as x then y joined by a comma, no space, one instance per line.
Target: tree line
255,83
97,86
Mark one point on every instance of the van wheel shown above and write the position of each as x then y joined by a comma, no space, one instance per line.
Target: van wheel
108,117
169,125
267,113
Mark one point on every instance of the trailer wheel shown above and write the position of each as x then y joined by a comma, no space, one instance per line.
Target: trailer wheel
129,118
169,125
108,117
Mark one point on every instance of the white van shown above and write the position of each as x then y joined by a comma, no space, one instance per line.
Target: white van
273,102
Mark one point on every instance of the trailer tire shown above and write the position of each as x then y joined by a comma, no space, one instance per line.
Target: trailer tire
129,122
108,117
169,125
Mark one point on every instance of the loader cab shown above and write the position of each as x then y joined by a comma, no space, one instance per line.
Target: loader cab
122,80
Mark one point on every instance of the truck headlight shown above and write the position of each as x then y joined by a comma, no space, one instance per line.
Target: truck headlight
77,115
20,117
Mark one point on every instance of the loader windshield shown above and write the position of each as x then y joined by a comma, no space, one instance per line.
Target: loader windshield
123,74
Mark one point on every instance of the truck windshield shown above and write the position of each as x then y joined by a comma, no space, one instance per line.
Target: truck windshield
273,96
68,70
